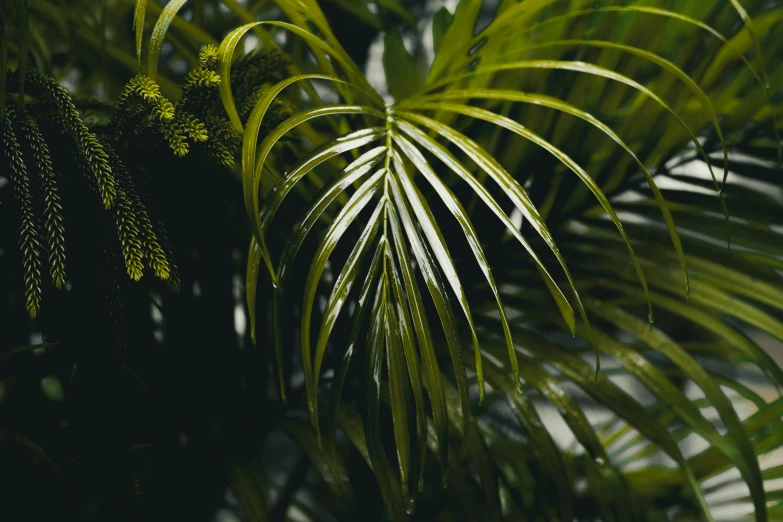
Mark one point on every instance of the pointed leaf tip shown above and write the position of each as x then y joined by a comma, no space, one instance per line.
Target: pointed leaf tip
159,34
440,25
402,74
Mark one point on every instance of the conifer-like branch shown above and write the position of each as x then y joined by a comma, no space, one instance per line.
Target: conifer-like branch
225,143
128,233
50,196
142,117
29,234
173,282
87,143
156,256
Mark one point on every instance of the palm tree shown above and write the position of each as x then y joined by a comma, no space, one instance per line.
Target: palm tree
533,274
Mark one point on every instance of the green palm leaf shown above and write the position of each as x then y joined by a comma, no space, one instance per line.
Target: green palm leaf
384,188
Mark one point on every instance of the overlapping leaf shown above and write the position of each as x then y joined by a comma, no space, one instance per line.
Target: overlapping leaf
388,192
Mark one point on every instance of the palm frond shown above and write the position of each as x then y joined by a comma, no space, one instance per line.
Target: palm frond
584,117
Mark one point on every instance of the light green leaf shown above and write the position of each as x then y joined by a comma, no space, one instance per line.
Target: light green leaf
347,215
356,79
402,75
710,322
547,101
401,220
371,419
457,210
362,310
591,69
431,371
158,35
139,14
748,21
460,30
398,386
440,25
357,170
663,63
225,56
512,189
251,284
610,395
252,166
401,319
437,244
316,157
745,460
519,129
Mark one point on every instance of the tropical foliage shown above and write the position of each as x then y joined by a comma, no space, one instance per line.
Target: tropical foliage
532,275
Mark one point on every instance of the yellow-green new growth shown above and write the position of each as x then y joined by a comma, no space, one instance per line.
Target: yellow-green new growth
190,126
53,216
156,256
199,78
201,84
128,233
208,57
175,124
147,90
184,126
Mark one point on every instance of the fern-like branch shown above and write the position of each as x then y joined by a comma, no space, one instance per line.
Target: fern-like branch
29,230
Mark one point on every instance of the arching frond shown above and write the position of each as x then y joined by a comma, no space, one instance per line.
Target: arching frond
422,329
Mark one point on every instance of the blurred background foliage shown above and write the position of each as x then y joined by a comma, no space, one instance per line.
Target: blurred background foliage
137,393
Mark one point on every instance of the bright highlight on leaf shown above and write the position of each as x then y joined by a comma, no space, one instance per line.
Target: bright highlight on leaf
158,34
393,195
455,282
